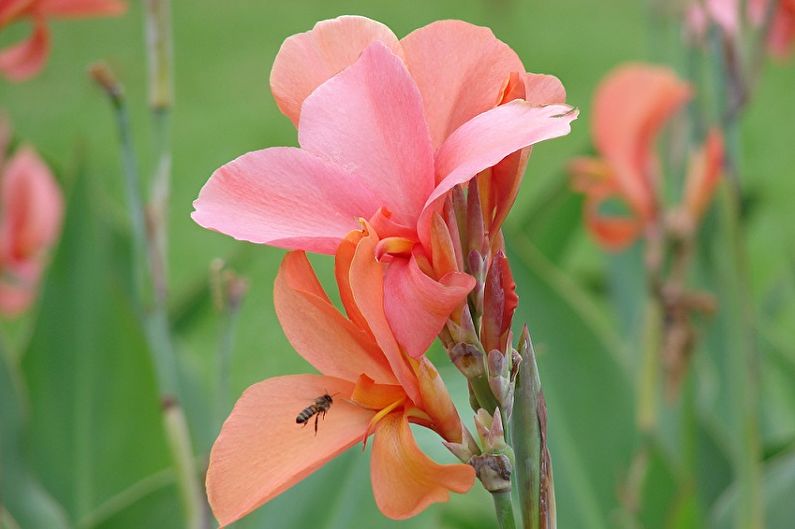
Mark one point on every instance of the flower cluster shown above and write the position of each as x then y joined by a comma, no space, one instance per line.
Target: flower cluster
389,131
31,210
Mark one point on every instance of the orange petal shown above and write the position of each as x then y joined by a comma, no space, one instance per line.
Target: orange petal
704,175
81,8
24,60
261,451
405,481
631,106
317,330
436,401
366,278
307,60
342,265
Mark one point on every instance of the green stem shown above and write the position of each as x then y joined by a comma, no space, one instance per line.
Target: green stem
224,356
503,507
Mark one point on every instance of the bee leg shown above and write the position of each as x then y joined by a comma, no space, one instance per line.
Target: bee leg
316,419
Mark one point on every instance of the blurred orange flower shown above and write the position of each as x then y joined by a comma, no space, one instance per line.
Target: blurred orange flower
22,61
631,106
374,388
31,210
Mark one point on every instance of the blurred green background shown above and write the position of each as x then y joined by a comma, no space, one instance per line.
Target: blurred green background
93,439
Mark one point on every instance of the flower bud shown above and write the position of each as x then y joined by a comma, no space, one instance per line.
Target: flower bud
490,431
499,376
494,471
468,359
466,449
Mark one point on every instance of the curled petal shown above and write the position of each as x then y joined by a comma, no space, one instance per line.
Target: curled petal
261,451
317,330
631,106
307,60
22,61
405,481
437,402
488,138
31,208
366,279
284,197
460,70
369,120
417,305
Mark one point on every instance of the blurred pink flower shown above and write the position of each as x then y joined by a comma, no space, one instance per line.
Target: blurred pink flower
782,31
31,209
373,388
387,128
22,61
631,106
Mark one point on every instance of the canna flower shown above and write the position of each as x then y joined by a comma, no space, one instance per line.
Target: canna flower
631,106
22,61
375,390
31,210
782,28
386,129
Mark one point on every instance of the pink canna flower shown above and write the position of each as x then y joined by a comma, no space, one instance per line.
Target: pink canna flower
31,210
631,106
386,129
24,60
782,31
375,390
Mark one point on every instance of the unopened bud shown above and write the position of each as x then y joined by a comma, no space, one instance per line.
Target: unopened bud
494,471
490,431
468,359
466,449
476,231
499,376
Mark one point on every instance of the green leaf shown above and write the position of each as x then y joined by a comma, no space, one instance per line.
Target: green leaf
589,395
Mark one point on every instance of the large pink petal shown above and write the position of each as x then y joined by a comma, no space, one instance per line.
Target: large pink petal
284,197
369,120
417,306
317,330
261,451
631,105
22,61
406,481
460,70
31,208
488,138
81,8
366,278
307,60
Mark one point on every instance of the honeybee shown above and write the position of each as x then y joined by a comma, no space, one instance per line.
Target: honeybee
321,405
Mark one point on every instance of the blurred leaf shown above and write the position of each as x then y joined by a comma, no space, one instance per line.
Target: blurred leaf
95,426
779,490
589,395
21,494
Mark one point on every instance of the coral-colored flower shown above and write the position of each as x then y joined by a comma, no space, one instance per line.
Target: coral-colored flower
376,390
24,60
631,106
31,210
387,128
782,30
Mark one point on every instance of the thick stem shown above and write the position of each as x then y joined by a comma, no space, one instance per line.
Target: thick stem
503,507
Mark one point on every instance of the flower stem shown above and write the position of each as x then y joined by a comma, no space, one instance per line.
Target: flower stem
503,507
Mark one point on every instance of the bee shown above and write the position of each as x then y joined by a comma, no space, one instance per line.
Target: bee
321,405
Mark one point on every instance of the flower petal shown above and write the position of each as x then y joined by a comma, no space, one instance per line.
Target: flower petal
630,107
307,60
261,451
284,197
704,175
460,70
405,481
81,8
317,330
22,61
417,306
31,208
366,278
368,119
488,138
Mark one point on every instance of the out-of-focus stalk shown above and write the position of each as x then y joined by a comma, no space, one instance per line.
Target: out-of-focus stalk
152,309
